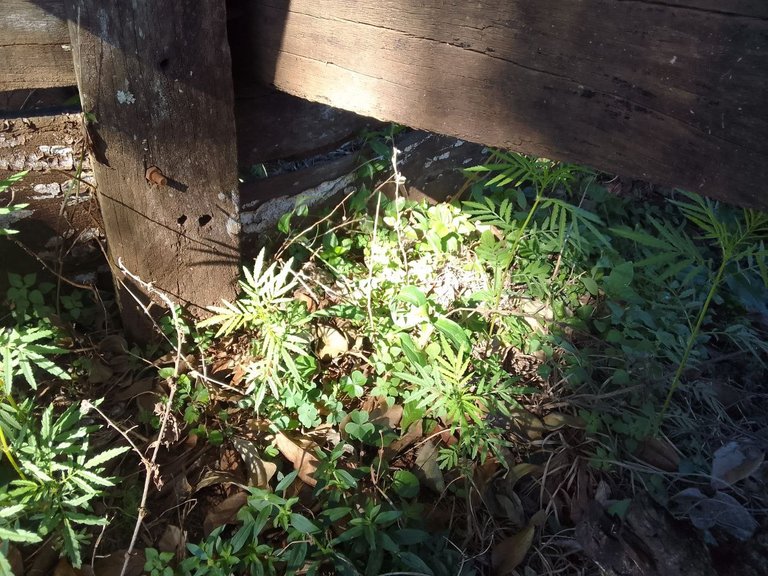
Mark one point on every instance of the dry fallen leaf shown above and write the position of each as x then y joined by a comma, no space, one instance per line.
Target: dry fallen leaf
260,472
414,433
113,564
734,462
173,540
303,460
99,372
214,477
381,414
659,453
134,389
519,471
15,560
528,424
64,568
225,512
510,552
427,466
556,420
330,343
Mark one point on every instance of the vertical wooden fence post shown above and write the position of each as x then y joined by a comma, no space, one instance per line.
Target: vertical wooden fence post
156,88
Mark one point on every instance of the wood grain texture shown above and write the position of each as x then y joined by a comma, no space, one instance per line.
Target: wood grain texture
156,78
671,92
35,50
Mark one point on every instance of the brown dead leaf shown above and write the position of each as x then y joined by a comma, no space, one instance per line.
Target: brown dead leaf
520,471
381,414
15,560
303,460
510,552
414,433
260,472
528,424
428,468
556,420
44,561
173,540
134,389
64,568
734,462
99,372
302,296
225,512
330,343
214,477
113,564
658,453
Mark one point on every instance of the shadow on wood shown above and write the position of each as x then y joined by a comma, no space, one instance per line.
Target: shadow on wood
672,93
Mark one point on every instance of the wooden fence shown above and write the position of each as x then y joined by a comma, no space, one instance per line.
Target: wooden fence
672,92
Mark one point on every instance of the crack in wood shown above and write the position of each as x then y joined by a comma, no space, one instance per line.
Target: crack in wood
712,11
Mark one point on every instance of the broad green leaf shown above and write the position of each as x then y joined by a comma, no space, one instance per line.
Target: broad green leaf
388,516
412,295
590,285
336,514
454,332
303,525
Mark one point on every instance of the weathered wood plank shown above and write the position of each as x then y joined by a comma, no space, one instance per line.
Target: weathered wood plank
156,78
669,93
34,45
274,125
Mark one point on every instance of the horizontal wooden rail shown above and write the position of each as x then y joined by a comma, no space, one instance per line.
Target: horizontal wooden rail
35,51
672,92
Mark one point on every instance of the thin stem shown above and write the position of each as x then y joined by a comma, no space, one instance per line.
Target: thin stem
151,464
369,294
524,227
399,179
691,341
500,278
7,452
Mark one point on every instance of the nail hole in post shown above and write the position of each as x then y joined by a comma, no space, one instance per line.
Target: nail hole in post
204,219
181,219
